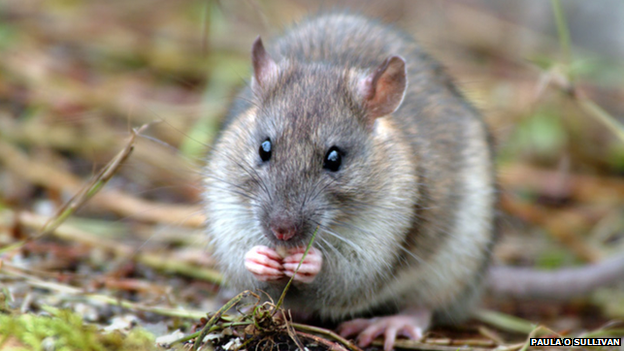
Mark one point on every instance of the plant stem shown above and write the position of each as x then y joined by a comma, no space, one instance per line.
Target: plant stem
281,299
562,30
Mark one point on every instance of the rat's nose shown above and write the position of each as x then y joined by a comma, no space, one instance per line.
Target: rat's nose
282,228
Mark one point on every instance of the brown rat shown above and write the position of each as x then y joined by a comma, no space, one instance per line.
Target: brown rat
348,125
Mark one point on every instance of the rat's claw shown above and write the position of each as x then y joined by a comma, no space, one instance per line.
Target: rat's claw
310,266
264,263
410,325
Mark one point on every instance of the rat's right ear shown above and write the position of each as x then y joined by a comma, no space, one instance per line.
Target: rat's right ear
264,67
382,91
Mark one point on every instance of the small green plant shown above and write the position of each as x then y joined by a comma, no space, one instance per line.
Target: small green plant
65,330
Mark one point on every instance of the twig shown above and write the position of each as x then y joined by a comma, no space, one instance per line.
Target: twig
566,82
416,345
563,82
534,333
562,29
96,183
504,321
608,329
113,200
330,345
293,334
327,333
491,335
598,112
469,342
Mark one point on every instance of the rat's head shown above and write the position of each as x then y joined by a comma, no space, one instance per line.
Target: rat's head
310,146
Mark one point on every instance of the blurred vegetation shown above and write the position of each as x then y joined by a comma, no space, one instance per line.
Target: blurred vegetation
63,330
77,76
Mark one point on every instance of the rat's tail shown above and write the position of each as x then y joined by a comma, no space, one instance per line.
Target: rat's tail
560,284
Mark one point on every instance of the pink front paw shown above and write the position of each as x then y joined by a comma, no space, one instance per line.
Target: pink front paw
264,263
310,266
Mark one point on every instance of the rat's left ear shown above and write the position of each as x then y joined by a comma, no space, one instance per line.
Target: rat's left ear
265,68
382,91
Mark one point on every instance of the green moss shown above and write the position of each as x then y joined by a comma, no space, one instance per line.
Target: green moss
66,331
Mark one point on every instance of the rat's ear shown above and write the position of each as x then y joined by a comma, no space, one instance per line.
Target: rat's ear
383,89
264,66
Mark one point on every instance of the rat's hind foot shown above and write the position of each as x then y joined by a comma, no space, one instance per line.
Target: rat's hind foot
411,325
310,266
264,263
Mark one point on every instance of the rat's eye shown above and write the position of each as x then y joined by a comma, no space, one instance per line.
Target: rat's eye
332,160
265,150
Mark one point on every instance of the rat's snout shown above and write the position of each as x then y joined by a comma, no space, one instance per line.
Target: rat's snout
282,227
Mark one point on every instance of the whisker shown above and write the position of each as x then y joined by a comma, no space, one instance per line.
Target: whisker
355,247
336,251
